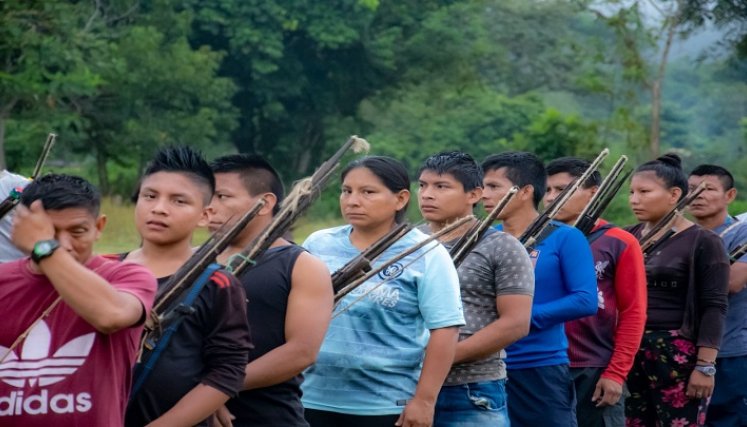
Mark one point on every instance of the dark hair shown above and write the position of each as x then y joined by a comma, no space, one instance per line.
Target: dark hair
457,164
726,178
58,192
257,175
574,167
184,160
668,168
522,169
390,171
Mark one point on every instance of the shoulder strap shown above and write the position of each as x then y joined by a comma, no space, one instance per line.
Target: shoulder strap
599,232
173,319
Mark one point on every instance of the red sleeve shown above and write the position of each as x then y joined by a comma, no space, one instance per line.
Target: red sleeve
631,295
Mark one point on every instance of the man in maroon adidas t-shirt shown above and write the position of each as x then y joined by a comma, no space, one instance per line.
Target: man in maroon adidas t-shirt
602,347
72,320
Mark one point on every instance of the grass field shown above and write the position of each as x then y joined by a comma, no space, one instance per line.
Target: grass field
120,234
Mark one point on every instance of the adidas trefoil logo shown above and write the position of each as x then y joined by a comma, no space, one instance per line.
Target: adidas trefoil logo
36,365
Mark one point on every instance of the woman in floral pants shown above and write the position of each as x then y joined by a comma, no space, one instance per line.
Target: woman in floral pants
687,276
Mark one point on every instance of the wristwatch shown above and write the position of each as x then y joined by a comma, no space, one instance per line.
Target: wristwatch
707,370
43,249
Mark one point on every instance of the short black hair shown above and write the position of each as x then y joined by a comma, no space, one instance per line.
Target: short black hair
457,164
390,171
256,173
185,160
668,168
726,178
59,191
522,169
574,167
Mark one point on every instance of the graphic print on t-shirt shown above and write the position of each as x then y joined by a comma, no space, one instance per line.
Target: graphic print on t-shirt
36,365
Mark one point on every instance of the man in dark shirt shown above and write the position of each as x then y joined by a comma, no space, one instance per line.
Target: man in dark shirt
710,210
202,366
602,347
289,298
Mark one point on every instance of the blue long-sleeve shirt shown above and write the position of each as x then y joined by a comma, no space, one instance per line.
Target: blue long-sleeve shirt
565,288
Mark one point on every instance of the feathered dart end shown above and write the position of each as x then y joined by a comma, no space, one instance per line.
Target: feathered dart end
360,145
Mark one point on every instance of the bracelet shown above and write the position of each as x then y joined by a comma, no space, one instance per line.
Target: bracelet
710,362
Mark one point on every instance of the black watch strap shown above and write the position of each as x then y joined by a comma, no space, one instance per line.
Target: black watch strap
43,249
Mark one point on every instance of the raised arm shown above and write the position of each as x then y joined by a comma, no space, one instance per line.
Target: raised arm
88,294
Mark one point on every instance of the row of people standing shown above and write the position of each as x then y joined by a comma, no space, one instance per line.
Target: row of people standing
369,369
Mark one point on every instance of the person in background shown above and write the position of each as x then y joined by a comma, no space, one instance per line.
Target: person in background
9,182
602,347
687,277
392,340
728,406
496,280
289,298
540,387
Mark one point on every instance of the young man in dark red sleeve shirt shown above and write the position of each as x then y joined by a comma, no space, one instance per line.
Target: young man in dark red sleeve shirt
203,364
602,347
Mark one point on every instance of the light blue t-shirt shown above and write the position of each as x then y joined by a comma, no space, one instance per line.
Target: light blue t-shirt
371,357
734,342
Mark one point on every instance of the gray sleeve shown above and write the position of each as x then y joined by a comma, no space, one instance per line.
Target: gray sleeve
514,272
8,182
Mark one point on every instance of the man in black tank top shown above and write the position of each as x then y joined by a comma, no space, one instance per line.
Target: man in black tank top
289,296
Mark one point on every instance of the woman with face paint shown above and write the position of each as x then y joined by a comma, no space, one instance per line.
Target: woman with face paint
687,276
385,357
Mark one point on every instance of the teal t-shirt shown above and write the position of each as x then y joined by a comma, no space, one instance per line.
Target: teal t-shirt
371,357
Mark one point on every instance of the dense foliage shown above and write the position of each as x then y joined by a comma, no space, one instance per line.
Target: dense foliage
292,79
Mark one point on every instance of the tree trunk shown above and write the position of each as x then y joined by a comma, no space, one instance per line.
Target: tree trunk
654,140
656,85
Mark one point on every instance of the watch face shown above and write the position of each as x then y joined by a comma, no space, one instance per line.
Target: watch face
707,370
42,248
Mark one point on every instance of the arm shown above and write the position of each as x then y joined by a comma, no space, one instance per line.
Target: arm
194,407
439,355
88,294
579,281
306,322
737,277
631,296
515,313
225,349
711,279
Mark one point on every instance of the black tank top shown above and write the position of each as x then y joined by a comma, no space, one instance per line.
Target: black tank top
267,287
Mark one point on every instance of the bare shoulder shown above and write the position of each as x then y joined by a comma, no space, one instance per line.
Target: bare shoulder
310,274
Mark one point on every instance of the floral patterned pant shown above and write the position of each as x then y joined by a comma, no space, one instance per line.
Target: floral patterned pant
658,382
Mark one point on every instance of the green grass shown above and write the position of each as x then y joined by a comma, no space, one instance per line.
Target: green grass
120,234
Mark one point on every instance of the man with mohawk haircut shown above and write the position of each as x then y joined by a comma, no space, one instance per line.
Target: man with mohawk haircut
203,364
